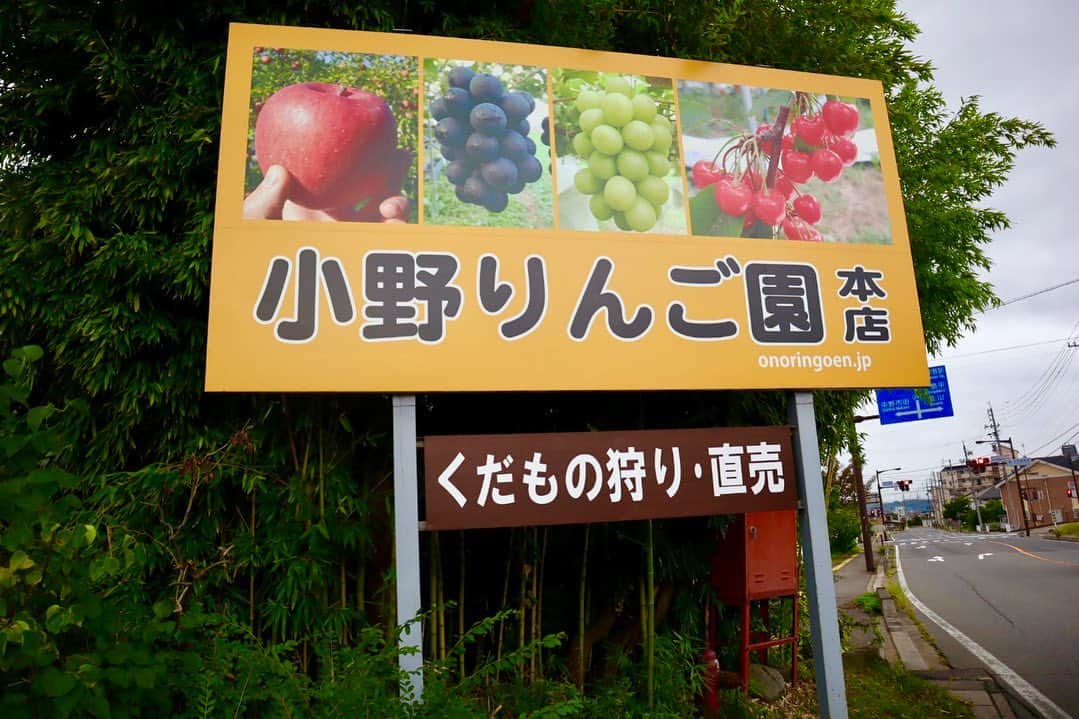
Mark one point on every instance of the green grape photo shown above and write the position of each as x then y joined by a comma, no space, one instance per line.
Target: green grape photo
618,162
780,164
332,136
484,164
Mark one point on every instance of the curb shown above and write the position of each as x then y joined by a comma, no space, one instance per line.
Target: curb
979,689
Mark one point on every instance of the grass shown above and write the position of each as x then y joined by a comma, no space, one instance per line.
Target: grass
869,602
1071,529
875,689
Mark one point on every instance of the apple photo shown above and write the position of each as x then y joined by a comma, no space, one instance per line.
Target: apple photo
781,164
484,161
618,165
332,136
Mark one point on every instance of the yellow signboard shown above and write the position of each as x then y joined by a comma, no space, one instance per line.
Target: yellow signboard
411,214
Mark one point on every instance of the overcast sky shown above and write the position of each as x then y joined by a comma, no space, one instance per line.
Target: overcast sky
1021,59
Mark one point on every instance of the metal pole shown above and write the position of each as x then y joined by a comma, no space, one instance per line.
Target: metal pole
856,460
406,529
1019,486
1049,501
883,517
823,614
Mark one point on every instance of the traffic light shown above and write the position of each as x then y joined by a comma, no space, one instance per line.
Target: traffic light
903,485
978,465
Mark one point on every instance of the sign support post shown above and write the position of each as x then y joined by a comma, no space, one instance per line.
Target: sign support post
406,538
823,614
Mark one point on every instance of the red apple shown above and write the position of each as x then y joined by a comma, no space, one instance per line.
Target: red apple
334,140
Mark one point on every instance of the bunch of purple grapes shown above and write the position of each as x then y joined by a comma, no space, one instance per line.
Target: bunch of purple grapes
482,132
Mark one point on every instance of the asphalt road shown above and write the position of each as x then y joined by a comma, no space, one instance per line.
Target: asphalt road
1017,597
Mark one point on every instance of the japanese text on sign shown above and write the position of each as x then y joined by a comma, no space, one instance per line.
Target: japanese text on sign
514,480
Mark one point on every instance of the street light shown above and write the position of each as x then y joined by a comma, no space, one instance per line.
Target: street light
880,498
1018,484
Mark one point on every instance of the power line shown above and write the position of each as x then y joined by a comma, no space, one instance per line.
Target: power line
1002,349
1036,293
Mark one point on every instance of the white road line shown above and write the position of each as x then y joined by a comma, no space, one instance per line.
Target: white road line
1021,686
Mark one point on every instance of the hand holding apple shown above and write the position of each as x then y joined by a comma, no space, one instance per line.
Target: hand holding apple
269,201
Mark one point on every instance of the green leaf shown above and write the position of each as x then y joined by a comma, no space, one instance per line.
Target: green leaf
703,212
13,367
30,352
162,609
708,219
56,619
89,533
37,415
19,561
54,683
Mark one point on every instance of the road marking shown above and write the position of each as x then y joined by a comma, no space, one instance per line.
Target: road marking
921,547
1021,686
1032,555
936,559
966,544
983,556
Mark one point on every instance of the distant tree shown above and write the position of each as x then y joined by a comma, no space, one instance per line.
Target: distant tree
957,508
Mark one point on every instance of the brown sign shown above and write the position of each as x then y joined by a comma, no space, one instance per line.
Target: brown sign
513,480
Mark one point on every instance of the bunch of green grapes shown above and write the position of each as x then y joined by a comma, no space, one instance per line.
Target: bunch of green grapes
624,142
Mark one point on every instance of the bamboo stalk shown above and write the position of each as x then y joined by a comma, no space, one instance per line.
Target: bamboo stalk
432,599
580,609
651,619
522,619
251,568
505,599
461,601
537,616
441,600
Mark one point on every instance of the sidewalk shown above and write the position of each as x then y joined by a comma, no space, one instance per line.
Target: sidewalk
898,639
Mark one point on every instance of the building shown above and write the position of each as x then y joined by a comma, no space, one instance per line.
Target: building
1045,483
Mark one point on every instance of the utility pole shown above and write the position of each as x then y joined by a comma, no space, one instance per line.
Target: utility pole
856,462
995,428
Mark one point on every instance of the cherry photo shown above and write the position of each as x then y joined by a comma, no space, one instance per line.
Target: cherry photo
780,164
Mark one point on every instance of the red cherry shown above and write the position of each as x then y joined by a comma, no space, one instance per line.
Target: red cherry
788,142
826,165
794,229
840,117
769,206
813,235
796,166
750,219
705,173
733,198
808,208
785,186
846,149
266,59
766,144
295,64
258,49
809,128
752,179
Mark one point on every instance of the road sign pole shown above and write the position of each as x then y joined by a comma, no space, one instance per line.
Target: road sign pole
406,529
823,614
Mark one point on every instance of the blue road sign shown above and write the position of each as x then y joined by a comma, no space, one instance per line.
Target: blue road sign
902,405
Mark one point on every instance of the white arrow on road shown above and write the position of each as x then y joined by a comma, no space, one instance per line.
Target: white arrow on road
921,547
966,544
983,556
936,559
